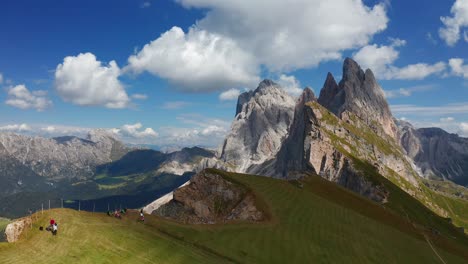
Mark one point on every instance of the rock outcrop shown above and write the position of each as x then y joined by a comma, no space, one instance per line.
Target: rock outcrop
156,204
437,152
208,199
14,230
260,126
359,93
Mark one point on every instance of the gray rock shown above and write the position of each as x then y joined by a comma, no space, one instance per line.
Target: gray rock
359,93
259,128
60,158
437,152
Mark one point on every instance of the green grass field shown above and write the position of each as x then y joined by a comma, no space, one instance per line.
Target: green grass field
319,222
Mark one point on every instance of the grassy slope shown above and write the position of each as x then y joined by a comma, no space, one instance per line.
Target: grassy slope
96,238
456,208
319,223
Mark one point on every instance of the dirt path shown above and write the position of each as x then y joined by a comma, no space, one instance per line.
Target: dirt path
433,249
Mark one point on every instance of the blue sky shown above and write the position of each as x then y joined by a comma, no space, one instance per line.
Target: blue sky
168,72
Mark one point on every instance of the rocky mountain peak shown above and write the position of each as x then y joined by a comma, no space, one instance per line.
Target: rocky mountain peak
263,117
352,70
264,88
307,95
359,93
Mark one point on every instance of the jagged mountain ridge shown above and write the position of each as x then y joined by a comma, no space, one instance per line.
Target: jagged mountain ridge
62,158
343,144
437,152
358,92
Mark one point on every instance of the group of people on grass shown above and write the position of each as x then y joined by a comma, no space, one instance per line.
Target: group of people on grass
53,227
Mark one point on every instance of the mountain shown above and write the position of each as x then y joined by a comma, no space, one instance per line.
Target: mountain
262,120
62,158
346,136
98,169
438,153
359,93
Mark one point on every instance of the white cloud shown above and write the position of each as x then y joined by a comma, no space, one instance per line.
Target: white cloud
447,119
380,60
464,128
287,36
15,128
458,68
405,92
139,96
1,78
20,97
196,130
229,45
175,105
290,84
135,131
83,80
451,30
196,61
465,36
396,42
231,94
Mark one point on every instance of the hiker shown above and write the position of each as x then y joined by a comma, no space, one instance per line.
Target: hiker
54,229
51,225
117,214
142,216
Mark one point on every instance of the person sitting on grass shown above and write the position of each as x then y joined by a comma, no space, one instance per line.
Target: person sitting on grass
54,229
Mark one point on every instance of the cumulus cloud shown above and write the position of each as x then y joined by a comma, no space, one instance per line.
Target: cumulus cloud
135,131
290,84
175,105
83,80
458,68
15,128
139,96
380,60
196,61
453,24
291,36
20,97
229,95
230,44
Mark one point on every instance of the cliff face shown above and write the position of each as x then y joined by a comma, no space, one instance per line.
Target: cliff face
260,126
359,93
436,152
